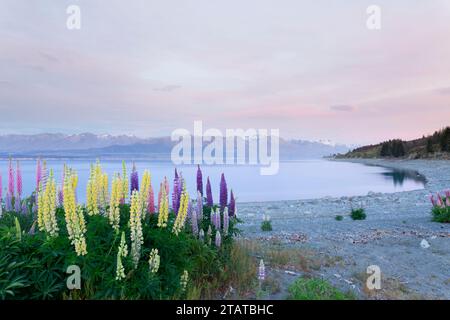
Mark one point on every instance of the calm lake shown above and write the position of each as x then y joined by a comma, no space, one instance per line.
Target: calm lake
303,179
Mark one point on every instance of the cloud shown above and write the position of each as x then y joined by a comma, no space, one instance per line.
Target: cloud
167,88
343,108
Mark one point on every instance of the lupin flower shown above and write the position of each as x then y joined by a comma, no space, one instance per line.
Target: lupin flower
199,180
194,222
38,173
199,206
440,203
134,179
151,201
121,252
19,180
226,221
223,192
124,183
163,207
17,204
47,208
75,223
175,194
232,205
209,235
433,201
154,261
261,271
92,193
217,222
182,212
145,189
201,235
184,279
218,241
137,237
10,179
209,198
116,197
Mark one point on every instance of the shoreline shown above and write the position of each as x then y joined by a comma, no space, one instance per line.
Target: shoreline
390,236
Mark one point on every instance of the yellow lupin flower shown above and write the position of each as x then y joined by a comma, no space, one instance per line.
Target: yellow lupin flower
97,190
137,238
47,207
182,212
163,215
75,223
125,183
116,195
145,189
153,261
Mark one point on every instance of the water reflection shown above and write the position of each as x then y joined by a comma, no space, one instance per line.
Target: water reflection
399,177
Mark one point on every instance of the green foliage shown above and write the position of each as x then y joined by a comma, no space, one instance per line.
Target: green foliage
339,218
315,289
441,214
444,139
358,214
266,225
33,265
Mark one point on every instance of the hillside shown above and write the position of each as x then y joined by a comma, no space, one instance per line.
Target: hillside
435,146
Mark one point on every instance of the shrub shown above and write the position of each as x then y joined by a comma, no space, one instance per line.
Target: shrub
266,224
358,214
441,207
315,289
339,218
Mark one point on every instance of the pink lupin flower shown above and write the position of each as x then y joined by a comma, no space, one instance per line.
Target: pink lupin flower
10,179
447,193
151,201
433,201
19,180
440,203
38,173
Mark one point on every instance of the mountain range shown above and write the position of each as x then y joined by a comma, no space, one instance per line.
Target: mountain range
88,145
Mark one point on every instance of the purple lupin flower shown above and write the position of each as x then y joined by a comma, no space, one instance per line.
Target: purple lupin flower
10,179
199,180
232,205
8,202
175,198
199,206
209,198
24,209
134,180
223,192
213,217
19,179
17,204
218,239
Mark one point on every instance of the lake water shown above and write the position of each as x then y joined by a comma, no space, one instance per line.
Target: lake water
303,179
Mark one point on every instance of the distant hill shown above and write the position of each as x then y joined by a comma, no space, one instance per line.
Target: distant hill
88,145
435,146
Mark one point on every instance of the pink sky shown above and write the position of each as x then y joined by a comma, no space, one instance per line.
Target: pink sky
311,69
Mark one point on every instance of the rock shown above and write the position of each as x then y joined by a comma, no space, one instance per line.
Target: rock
424,244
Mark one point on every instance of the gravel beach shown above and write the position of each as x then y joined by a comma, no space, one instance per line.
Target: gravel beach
390,237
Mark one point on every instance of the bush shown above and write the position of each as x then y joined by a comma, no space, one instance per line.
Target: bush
358,214
266,225
339,218
315,289
33,265
441,214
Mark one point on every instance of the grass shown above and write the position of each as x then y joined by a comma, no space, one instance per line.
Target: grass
358,214
316,289
266,225
441,215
